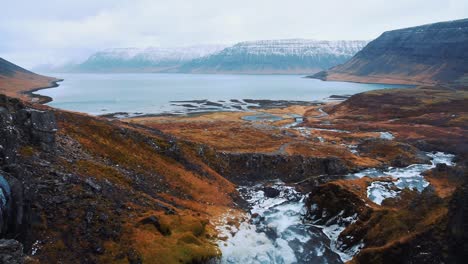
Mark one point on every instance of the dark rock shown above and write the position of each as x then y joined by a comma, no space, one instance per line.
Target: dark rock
93,185
98,247
153,220
245,168
458,225
441,167
271,192
11,252
44,128
133,257
400,161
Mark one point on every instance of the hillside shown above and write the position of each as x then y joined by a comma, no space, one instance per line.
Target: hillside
291,56
16,81
428,54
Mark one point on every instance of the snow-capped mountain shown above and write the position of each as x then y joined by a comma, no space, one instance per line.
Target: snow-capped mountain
289,56
297,47
153,59
277,56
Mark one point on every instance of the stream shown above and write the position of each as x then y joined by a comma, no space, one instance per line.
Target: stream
274,230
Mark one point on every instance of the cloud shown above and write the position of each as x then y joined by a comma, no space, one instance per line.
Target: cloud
47,31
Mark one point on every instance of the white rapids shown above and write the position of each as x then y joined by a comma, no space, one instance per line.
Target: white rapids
408,177
275,232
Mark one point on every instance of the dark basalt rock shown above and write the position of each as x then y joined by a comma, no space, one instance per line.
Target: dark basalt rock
20,126
11,252
245,168
271,192
43,128
457,224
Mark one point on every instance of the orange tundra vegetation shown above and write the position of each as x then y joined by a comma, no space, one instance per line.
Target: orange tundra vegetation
167,195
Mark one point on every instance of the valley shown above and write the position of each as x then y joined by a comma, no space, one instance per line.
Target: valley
374,175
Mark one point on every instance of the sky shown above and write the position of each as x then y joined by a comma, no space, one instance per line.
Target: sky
58,31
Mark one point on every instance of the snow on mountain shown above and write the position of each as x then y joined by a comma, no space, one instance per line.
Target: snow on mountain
298,56
289,56
298,47
156,54
152,59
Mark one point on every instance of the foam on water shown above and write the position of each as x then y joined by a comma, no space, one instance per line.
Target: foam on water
408,177
275,232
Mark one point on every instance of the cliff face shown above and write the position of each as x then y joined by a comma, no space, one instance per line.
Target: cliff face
16,81
428,54
290,56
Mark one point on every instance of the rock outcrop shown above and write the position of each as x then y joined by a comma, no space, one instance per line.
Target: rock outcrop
21,129
247,168
11,252
428,54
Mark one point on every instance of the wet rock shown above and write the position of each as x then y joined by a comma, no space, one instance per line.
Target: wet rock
11,252
271,192
400,161
440,167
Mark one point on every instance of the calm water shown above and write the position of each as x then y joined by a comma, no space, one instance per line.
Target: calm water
152,93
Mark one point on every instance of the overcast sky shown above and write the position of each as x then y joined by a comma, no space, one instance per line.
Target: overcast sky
55,31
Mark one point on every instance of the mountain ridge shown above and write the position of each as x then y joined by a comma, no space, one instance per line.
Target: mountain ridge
298,56
429,54
284,56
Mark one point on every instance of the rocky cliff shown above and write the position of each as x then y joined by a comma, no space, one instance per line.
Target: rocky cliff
428,54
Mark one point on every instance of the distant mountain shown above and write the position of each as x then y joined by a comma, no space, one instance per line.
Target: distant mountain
428,54
142,60
298,56
292,56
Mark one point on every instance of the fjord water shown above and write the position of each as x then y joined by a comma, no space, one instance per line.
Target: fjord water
152,93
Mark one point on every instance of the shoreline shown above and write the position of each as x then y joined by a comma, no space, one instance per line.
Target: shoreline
41,99
410,83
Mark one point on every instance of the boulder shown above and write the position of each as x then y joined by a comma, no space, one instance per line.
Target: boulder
271,192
